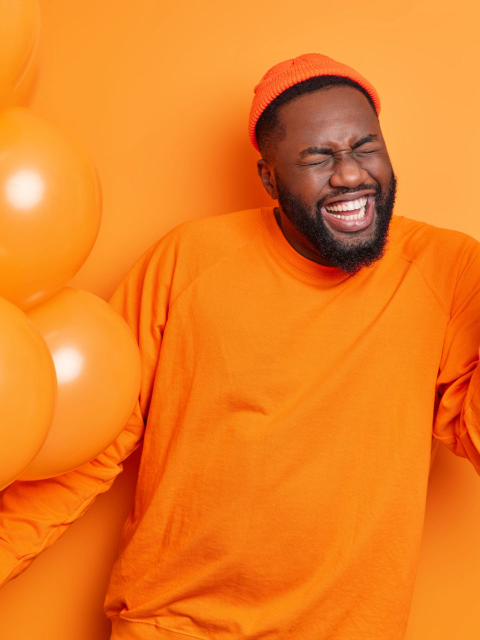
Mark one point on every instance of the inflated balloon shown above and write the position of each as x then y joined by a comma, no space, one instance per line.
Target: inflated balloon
97,361
21,51
50,207
28,391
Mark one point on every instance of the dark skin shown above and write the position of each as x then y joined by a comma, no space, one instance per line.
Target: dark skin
333,144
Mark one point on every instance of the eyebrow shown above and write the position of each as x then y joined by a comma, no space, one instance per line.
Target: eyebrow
372,137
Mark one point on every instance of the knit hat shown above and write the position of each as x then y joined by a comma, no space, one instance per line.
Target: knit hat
285,74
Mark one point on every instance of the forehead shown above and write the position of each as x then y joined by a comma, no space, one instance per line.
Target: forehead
334,115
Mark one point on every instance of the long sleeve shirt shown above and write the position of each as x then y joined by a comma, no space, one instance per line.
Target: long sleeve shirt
288,413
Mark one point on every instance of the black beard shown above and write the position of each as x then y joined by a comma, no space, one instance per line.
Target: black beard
349,258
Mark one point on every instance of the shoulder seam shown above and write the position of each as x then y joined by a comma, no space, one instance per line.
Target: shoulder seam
214,264
429,284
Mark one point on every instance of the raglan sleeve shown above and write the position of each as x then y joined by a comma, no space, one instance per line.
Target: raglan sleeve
34,514
457,419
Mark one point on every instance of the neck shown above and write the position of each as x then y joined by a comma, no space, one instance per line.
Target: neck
296,239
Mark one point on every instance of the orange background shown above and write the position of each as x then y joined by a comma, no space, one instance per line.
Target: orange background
159,94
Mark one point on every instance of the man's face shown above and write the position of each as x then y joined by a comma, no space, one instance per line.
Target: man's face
333,178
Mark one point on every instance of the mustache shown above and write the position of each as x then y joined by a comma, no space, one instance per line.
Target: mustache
346,190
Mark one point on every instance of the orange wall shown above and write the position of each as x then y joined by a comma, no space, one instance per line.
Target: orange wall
159,93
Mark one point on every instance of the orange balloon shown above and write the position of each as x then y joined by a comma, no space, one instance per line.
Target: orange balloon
50,207
97,361
28,390
21,51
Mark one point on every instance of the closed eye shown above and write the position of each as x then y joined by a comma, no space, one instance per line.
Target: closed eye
366,151
313,164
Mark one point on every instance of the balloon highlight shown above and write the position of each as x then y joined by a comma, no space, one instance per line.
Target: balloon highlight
97,364
50,207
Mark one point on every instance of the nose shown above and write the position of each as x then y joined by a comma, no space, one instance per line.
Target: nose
348,173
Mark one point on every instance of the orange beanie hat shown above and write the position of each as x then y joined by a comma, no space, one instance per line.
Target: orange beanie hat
285,74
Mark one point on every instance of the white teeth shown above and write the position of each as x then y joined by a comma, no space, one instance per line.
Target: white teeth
352,205
357,216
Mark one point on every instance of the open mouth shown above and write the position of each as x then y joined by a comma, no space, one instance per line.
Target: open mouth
350,215
356,207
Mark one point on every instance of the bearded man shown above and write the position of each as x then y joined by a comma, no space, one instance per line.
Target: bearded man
300,362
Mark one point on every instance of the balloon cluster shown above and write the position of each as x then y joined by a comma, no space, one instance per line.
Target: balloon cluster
69,364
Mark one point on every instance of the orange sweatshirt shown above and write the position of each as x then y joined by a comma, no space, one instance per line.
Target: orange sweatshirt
287,412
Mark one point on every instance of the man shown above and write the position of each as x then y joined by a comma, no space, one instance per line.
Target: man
297,361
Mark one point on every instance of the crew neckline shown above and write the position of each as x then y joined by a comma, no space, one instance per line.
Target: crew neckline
295,258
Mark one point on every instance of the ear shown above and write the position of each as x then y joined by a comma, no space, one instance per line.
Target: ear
265,171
